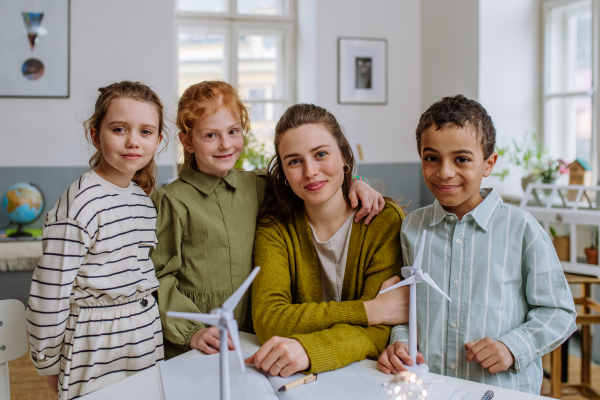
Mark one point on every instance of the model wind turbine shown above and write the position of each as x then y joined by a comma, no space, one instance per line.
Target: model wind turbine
413,276
223,319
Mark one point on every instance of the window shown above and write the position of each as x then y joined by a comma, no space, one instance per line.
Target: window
247,43
569,81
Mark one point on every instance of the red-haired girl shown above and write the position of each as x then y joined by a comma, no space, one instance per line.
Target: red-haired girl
91,317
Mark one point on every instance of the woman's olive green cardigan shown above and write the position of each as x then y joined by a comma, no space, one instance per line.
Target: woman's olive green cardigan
287,296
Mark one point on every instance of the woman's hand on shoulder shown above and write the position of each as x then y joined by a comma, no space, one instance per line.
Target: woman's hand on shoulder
280,356
372,202
208,340
389,308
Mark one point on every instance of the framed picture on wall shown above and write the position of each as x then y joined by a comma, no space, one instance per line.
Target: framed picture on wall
362,71
34,48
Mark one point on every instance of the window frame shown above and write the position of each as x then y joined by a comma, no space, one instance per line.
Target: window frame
233,22
547,96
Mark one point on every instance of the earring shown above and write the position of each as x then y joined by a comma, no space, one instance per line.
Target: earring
286,182
345,168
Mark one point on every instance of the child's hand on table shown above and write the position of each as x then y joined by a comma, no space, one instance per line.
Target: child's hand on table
52,381
208,340
491,354
395,357
372,202
280,356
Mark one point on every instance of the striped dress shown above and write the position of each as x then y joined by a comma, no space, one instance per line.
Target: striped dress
92,319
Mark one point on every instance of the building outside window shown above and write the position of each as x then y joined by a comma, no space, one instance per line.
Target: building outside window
247,43
569,108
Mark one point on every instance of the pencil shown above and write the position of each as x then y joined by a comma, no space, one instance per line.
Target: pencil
298,382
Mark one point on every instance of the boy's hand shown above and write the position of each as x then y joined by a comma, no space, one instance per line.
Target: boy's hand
395,357
372,202
491,354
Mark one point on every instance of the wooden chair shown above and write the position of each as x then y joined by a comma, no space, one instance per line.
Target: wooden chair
584,318
13,340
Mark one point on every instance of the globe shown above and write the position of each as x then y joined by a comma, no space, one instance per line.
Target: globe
22,204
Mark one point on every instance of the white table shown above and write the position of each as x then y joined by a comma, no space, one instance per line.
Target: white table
147,384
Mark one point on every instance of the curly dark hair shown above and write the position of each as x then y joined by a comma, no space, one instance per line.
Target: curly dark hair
458,111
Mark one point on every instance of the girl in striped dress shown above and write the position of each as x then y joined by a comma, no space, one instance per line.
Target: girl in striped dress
92,319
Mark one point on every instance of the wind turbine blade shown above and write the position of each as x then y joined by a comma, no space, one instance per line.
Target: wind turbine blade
431,283
405,282
210,319
232,327
419,259
235,298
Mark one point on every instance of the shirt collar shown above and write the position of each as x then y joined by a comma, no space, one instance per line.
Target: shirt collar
482,214
207,183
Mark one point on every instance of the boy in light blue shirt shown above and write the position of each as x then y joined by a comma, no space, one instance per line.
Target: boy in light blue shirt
510,300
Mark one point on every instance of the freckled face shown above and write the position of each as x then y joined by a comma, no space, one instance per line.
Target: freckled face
453,166
312,163
216,141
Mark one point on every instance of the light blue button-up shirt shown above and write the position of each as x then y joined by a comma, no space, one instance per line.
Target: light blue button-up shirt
501,271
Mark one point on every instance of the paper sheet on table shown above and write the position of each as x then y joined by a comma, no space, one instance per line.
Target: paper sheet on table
350,382
441,391
198,378
195,378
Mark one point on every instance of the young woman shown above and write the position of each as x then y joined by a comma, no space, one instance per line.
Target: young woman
315,302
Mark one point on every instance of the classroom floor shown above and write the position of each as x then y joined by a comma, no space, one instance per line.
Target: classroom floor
26,384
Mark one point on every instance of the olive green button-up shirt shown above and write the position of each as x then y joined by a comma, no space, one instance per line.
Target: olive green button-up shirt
205,229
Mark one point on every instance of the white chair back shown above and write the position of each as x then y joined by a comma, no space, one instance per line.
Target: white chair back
13,339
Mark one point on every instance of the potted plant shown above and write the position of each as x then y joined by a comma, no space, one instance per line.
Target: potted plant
591,253
528,155
254,156
562,245
551,171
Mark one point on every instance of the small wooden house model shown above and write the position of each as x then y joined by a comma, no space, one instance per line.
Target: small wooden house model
580,173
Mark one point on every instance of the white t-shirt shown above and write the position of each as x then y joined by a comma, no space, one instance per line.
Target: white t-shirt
332,256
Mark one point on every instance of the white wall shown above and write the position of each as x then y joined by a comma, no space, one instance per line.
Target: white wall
450,49
385,132
510,75
107,45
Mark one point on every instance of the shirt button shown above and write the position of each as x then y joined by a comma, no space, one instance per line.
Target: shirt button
456,282
454,326
453,366
41,357
458,241
450,217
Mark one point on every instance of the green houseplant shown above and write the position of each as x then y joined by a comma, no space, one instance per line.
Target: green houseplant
528,155
531,157
255,155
